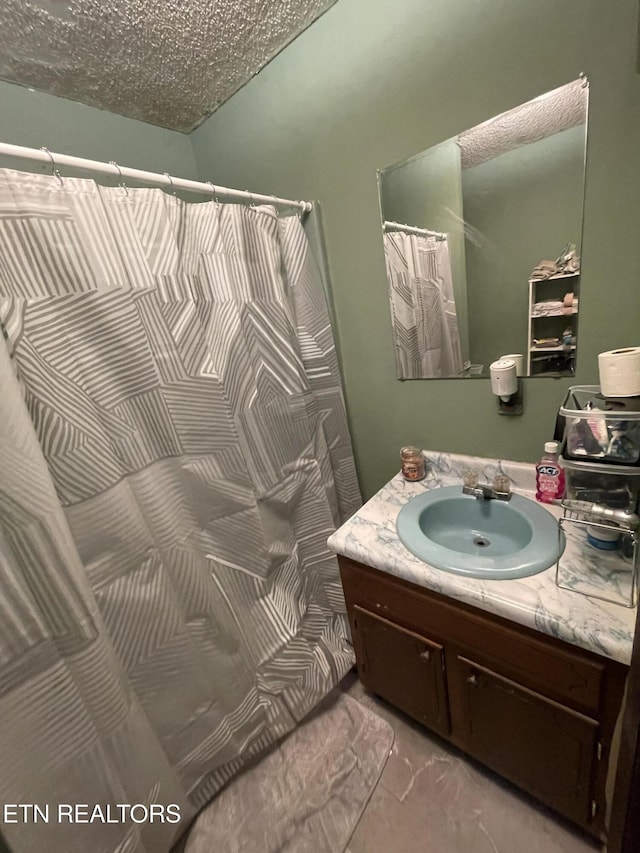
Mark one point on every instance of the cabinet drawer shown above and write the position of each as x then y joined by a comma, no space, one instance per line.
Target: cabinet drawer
540,745
540,663
403,667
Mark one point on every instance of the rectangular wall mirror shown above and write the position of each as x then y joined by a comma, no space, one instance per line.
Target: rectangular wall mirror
482,242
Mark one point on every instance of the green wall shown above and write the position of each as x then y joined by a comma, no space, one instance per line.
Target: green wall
526,205
371,83
375,81
34,119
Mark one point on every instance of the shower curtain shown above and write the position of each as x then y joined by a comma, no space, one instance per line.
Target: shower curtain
174,453
423,308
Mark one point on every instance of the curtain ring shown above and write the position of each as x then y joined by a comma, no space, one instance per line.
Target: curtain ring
214,192
54,171
122,184
173,189
251,201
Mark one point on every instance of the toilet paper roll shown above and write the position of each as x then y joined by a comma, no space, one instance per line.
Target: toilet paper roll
620,372
519,360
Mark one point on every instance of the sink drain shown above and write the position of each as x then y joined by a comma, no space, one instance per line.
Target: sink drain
481,542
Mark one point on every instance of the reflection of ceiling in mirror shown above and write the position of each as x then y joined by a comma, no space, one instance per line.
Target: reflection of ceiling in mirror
544,116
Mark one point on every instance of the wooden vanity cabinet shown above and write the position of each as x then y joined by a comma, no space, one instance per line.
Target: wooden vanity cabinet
403,667
535,709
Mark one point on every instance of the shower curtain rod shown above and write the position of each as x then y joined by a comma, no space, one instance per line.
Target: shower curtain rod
43,155
411,229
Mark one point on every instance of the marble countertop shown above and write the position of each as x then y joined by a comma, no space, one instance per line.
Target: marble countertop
565,611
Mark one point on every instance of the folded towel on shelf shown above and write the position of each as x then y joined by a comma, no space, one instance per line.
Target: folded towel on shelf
545,269
567,263
549,308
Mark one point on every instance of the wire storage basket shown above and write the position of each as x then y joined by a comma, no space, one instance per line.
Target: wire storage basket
608,572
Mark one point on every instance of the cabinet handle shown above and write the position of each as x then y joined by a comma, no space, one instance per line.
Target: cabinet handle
473,680
425,656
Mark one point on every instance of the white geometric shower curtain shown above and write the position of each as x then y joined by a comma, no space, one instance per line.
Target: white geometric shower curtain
425,323
174,453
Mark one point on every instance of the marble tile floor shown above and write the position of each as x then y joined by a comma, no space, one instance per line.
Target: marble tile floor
433,799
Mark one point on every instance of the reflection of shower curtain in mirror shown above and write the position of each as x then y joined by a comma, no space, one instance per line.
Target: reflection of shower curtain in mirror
425,324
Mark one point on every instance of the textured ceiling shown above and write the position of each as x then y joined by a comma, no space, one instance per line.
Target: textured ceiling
550,113
167,63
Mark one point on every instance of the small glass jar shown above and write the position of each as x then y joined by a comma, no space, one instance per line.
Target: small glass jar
412,463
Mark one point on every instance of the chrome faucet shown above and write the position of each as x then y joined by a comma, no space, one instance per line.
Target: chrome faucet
499,491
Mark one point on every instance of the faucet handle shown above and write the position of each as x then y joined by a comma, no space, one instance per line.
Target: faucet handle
502,483
470,478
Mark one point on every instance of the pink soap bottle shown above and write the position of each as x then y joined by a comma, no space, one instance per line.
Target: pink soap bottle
549,475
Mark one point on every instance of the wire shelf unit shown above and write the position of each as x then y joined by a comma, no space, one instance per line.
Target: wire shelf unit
621,563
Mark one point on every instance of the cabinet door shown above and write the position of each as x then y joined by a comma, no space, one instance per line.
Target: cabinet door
540,745
402,667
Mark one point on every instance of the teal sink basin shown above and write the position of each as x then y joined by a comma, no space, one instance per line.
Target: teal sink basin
480,538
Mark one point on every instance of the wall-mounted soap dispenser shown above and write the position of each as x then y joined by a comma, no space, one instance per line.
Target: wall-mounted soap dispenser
507,386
